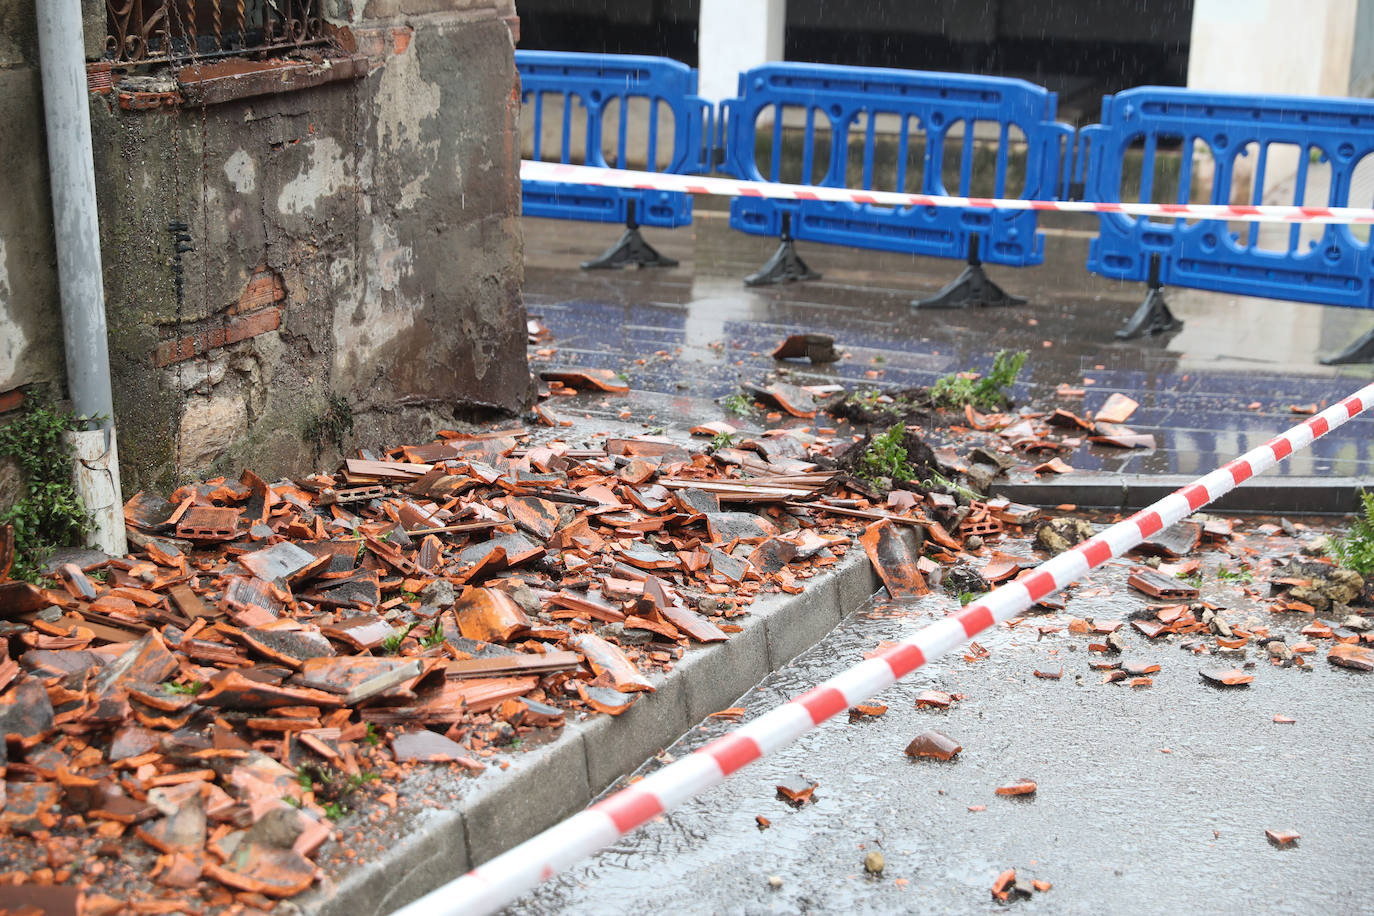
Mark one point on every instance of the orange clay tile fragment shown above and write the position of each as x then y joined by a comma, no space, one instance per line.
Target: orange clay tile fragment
489,615
892,556
934,699
537,516
587,379
605,699
933,744
1118,409
1227,677
1021,787
1002,883
763,822
237,691
1349,656
1041,886
874,710
1049,675
734,712
265,870
1282,838
606,659
1284,720
797,790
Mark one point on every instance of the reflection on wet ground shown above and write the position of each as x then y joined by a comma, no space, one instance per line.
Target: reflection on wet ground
699,332
1150,799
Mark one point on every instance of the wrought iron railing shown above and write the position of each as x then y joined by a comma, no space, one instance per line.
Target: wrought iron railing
174,30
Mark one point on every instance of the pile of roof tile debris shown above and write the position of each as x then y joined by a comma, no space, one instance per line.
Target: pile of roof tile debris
431,605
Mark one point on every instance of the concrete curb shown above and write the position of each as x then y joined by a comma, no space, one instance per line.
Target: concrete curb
503,808
1122,492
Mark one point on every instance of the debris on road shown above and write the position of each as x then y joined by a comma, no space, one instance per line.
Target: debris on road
797,790
431,606
816,348
1020,787
1282,838
1358,658
1226,677
933,744
873,863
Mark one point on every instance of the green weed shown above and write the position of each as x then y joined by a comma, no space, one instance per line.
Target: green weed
886,457
360,779
49,513
392,644
1356,550
985,392
737,404
1242,576
435,638
723,440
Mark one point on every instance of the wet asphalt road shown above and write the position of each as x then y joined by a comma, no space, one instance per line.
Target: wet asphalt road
690,334
1150,799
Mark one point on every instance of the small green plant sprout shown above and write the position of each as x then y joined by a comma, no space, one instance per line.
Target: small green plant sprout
987,391
966,597
1356,549
392,644
886,457
434,638
1195,579
723,440
335,811
1242,576
190,689
360,779
371,736
737,404
304,779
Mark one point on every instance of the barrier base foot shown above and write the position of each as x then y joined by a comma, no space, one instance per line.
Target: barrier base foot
971,289
785,266
1361,351
630,250
1152,317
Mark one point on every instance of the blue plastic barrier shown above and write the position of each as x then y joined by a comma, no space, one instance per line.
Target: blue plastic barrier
597,84
923,107
1333,134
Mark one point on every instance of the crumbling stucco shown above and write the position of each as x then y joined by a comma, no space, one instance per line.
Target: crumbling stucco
358,239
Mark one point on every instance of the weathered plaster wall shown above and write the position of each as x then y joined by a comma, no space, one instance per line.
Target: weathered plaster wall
30,318
357,240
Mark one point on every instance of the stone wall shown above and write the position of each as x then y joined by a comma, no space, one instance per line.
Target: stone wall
276,261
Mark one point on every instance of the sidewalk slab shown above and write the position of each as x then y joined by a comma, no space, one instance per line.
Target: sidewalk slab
1127,492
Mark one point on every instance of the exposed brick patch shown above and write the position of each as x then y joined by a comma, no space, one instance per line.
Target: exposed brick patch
264,289
232,331
11,400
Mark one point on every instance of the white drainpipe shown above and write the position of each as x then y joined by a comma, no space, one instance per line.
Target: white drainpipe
71,170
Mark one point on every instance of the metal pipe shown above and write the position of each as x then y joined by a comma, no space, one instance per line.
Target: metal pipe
71,170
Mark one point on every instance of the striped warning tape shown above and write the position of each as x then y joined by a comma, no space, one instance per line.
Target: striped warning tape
531,170
490,887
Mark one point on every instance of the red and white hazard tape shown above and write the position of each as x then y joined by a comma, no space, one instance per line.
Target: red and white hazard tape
490,887
531,170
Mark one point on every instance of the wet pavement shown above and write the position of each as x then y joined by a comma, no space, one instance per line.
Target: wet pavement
1151,797
688,335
